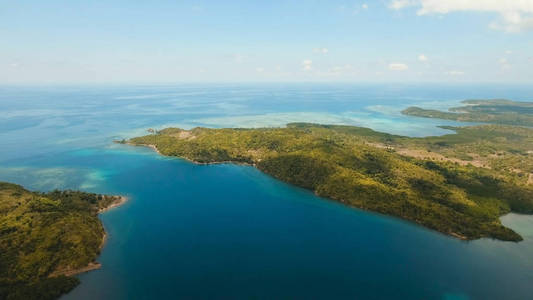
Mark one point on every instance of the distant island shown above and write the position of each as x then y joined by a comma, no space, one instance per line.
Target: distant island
458,184
496,111
45,238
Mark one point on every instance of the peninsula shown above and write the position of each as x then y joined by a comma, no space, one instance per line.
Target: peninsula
496,111
45,238
458,184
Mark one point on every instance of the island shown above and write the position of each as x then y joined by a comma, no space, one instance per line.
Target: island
496,111
458,184
45,238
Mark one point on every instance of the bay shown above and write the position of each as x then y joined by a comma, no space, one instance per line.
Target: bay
228,231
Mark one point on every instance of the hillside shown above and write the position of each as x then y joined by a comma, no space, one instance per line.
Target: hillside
45,236
496,111
381,172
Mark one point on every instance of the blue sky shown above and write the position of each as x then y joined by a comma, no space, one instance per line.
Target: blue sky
219,41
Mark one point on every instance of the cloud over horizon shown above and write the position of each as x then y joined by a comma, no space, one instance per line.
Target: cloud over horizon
398,67
275,41
514,15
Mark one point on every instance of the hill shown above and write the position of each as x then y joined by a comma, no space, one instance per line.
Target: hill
454,184
45,237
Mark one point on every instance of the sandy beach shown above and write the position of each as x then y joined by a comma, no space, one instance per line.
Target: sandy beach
118,202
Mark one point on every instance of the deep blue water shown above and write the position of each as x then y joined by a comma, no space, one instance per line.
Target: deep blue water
227,231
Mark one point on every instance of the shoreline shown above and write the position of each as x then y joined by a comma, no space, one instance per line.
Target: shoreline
121,200
94,265
454,235
153,147
71,272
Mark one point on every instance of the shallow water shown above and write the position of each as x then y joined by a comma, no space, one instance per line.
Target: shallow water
227,231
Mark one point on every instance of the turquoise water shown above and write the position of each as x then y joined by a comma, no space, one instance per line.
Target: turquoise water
227,231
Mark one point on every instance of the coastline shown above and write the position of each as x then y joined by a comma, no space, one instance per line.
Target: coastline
149,146
94,265
454,235
121,200
71,272
153,147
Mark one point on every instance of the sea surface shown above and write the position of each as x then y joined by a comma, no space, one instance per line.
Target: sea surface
229,231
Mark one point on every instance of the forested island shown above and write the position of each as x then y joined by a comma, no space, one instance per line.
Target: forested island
458,184
45,238
497,111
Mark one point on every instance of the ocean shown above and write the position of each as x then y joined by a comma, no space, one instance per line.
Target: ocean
230,231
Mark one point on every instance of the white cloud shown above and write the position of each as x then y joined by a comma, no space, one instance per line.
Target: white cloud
513,22
307,65
321,50
455,73
443,7
342,68
508,52
398,67
399,4
504,63
337,70
422,58
364,6
239,58
515,15
260,69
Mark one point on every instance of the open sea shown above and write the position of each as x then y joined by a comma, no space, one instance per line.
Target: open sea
229,231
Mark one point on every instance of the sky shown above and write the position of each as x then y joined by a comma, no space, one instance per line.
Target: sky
266,41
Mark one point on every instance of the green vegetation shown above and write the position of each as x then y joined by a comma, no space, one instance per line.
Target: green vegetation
497,111
424,180
44,236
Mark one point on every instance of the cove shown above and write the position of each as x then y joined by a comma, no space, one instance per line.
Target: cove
219,231
228,231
